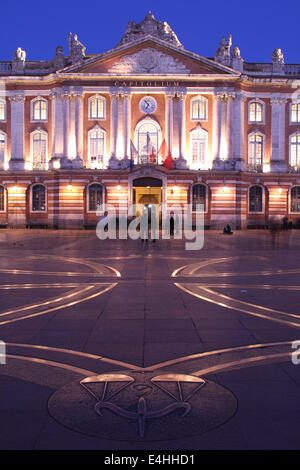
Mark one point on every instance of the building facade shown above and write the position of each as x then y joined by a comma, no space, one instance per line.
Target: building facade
84,129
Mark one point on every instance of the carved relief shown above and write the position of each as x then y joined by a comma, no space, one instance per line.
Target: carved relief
148,61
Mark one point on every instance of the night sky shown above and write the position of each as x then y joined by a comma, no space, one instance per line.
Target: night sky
258,26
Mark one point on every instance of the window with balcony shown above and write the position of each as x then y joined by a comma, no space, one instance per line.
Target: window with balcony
39,154
96,147
295,150
255,149
3,140
199,148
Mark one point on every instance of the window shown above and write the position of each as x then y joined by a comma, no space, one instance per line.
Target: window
39,109
198,196
199,109
95,197
96,147
295,150
256,111
295,199
2,149
198,144
295,112
97,107
256,199
255,149
39,142
2,199
2,110
147,137
38,198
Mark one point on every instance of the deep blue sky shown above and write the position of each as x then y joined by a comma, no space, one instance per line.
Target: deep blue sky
258,26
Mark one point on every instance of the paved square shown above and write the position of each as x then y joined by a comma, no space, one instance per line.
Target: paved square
124,345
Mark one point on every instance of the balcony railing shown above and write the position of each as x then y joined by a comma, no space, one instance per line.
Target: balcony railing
5,68
148,160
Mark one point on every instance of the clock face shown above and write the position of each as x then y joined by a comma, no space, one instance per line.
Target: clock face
148,105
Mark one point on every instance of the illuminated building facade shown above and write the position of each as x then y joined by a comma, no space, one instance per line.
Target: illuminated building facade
76,131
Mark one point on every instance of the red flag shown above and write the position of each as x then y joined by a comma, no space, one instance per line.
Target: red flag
169,162
163,150
152,158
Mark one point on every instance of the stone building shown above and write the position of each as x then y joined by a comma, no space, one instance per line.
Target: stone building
83,129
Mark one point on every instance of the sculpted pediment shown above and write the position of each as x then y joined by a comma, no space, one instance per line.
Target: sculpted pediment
148,60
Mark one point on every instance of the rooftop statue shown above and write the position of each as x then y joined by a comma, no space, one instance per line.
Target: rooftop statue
278,61
149,26
18,61
223,52
77,49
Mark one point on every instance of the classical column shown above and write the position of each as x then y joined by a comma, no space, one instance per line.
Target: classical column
127,123
222,131
169,119
181,163
17,132
79,128
66,127
57,124
237,131
216,127
113,162
278,163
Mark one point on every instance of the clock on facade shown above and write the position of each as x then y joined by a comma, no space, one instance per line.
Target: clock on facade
148,104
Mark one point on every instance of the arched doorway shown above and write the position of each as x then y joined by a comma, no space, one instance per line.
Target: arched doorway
147,192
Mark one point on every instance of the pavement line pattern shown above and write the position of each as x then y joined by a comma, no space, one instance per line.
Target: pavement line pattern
82,298
204,291
222,300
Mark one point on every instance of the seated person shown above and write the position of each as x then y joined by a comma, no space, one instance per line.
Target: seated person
227,230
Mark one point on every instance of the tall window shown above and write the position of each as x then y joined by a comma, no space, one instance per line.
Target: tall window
198,143
255,149
198,196
39,140
147,137
2,199
38,198
295,199
95,197
295,112
199,108
96,147
97,107
256,199
2,110
2,149
256,112
295,150
39,109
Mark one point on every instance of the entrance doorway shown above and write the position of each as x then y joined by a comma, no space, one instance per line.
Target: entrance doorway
147,192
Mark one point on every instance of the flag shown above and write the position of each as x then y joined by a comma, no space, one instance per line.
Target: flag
152,158
163,150
133,155
169,162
